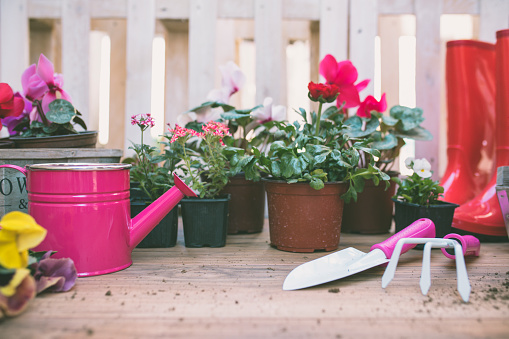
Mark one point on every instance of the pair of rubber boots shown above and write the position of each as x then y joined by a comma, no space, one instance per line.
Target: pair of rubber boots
477,79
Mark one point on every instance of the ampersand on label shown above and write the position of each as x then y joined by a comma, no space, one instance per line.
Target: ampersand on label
22,204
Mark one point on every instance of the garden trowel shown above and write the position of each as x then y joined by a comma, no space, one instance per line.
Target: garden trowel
349,261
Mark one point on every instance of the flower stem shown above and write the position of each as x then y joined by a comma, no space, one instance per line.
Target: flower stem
318,118
45,120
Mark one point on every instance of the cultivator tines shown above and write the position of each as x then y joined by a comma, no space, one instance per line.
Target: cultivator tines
470,247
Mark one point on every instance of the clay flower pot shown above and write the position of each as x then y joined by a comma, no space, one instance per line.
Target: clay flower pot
247,205
372,213
302,219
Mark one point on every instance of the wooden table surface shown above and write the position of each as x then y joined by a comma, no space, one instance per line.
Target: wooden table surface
236,292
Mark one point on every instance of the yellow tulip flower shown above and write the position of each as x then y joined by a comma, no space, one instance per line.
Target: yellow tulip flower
19,232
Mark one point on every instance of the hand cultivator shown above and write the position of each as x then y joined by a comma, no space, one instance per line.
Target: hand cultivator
460,245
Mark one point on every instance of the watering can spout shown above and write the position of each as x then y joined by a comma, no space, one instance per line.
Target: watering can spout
145,221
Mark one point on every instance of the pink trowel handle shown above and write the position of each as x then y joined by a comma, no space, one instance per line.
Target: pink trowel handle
421,228
470,244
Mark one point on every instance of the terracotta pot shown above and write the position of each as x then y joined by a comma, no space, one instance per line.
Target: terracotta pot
247,205
372,213
302,219
87,139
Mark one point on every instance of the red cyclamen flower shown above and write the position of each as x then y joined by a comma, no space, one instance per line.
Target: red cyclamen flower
11,105
371,104
327,92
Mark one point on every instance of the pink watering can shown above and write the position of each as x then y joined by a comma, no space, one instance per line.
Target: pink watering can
86,211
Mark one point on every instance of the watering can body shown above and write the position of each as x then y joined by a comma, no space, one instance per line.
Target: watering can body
86,210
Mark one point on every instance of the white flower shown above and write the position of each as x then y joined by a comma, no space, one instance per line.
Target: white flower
422,168
408,162
269,112
232,78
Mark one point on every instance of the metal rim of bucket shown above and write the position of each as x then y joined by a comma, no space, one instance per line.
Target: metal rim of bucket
78,167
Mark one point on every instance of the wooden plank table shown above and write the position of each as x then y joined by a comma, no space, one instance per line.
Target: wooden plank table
236,292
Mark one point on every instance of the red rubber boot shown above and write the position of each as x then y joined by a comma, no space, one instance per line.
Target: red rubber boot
471,90
482,215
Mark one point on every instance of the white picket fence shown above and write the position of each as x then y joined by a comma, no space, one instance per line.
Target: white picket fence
202,34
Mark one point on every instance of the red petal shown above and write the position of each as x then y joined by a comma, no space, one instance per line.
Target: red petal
350,95
5,93
346,74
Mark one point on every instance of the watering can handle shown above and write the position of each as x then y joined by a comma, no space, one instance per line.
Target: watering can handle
21,169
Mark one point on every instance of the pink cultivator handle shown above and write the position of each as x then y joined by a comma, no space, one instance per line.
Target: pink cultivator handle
470,244
421,228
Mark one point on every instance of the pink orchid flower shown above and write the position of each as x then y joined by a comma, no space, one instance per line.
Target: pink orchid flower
371,104
344,75
42,83
269,112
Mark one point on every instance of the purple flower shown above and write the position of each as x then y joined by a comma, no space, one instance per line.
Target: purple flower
55,275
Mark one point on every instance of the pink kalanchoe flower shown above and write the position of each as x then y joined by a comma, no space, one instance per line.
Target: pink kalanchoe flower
143,120
371,104
344,75
42,83
177,132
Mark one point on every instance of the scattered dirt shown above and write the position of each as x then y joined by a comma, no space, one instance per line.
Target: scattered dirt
108,293
333,290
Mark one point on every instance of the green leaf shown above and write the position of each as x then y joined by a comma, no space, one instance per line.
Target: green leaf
79,121
61,111
388,142
317,184
355,125
417,133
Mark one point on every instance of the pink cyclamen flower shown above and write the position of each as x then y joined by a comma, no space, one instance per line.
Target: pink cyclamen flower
11,105
143,120
269,112
42,83
371,104
344,75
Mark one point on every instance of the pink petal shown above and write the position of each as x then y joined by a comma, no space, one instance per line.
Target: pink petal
64,95
17,303
6,93
36,87
47,99
347,73
25,77
382,105
58,80
329,68
45,70
362,111
361,85
349,95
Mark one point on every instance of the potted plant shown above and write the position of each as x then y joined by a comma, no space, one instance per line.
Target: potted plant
204,166
387,134
418,197
311,168
247,130
48,118
149,181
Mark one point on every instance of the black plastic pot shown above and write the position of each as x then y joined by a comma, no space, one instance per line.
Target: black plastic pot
165,233
441,215
205,221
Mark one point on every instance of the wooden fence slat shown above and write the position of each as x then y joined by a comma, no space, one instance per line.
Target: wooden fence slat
13,41
75,49
140,34
494,16
427,75
334,29
202,47
363,30
269,51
